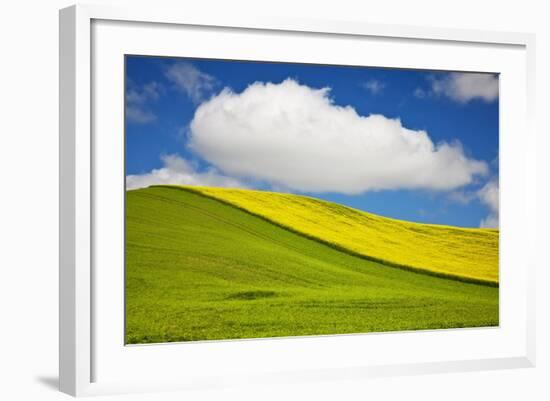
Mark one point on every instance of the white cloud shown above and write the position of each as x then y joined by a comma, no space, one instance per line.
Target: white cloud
489,195
139,115
150,91
491,221
374,86
463,87
137,99
177,170
462,197
293,136
191,81
420,93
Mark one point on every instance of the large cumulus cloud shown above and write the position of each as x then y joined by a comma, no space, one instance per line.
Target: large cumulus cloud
294,136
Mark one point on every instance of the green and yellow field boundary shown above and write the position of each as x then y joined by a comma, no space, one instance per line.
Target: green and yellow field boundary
217,194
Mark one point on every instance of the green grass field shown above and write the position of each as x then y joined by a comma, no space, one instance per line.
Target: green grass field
201,269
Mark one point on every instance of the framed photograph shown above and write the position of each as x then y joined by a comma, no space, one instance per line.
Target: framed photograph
271,201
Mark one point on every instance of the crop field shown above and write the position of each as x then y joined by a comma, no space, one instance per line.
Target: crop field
469,254
210,264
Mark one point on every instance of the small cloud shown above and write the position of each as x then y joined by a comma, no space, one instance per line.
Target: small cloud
462,87
191,81
176,170
489,195
138,115
148,92
462,197
374,86
490,221
420,93
138,99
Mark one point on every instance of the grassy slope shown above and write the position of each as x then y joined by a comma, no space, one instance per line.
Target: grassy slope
199,269
465,253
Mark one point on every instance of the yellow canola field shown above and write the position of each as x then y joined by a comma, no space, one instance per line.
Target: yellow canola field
470,254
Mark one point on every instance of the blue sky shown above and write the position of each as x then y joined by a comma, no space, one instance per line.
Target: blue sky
414,145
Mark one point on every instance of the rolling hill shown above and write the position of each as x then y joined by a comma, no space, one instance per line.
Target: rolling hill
199,268
469,254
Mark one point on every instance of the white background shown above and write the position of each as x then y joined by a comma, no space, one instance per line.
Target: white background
28,212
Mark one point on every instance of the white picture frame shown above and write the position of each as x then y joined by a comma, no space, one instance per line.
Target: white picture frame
82,343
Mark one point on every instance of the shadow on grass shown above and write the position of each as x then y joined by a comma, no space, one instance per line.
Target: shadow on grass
250,295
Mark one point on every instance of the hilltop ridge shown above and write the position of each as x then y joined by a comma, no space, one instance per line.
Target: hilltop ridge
467,254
